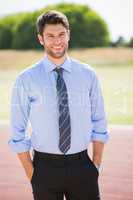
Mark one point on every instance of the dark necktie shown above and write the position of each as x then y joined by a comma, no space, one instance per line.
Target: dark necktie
64,116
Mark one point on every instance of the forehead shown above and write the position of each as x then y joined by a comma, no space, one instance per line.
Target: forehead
54,28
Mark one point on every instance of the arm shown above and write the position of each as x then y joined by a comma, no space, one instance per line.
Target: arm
26,162
97,152
20,141
99,124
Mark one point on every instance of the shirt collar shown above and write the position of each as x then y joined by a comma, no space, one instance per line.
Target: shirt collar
50,66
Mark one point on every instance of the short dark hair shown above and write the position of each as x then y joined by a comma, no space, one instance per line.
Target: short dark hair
51,17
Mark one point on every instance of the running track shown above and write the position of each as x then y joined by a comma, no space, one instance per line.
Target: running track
116,179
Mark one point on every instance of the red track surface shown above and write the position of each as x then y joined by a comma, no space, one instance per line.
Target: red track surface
116,179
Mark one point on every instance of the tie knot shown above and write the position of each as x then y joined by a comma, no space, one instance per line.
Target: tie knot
59,70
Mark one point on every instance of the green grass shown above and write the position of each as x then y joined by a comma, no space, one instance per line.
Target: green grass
116,80
6,82
118,93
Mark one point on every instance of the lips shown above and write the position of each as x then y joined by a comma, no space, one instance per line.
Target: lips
57,48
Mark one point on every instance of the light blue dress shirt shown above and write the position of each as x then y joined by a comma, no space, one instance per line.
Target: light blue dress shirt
35,102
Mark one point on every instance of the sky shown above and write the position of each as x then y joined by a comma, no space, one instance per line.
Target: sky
118,14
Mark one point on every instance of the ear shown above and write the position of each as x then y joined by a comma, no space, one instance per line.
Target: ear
40,38
68,34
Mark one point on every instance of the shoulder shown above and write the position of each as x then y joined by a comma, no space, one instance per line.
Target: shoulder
30,72
83,68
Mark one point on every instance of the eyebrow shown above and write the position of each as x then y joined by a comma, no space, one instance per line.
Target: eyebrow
52,33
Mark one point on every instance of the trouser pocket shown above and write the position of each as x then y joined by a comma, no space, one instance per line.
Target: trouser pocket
92,163
34,168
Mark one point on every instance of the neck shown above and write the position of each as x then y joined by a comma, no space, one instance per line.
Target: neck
57,61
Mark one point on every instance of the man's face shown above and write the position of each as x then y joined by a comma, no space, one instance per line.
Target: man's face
55,40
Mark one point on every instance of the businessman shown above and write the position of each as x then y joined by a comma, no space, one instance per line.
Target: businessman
61,98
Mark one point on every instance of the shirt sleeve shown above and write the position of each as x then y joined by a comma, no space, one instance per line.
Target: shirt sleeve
98,117
20,108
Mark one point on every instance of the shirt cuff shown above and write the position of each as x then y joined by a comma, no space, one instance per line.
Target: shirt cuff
20,146
99,136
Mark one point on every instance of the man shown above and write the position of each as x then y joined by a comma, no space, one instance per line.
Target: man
62,100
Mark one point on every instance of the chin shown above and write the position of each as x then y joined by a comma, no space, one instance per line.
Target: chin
57,55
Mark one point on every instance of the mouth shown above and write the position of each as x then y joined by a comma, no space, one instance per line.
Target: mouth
58,48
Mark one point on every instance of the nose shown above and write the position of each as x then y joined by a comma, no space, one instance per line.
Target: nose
57,40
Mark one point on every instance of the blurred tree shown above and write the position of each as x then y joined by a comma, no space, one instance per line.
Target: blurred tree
120,42
130,44
25,33
5,37
88,29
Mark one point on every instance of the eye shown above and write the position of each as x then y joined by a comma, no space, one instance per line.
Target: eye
62,34
50,36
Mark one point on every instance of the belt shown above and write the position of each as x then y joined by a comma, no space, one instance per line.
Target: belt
49,156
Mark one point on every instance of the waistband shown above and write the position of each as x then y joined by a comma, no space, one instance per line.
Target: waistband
49,156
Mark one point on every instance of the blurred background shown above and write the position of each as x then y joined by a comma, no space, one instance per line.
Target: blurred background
102,36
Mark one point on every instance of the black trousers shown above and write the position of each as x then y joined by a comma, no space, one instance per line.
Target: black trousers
74,176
